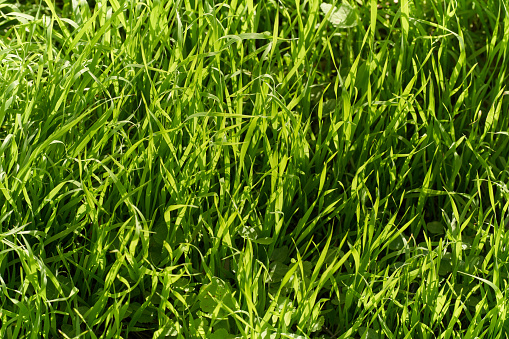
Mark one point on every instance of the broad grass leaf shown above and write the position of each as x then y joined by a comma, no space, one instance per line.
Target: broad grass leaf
343,17
214,293
329,106
287,318
220,334
170,330
397,243
276,272
368,333
435,227
279,254
397,265
160,233
308,268
477,261
285,305
317,326
264,241
445,264
155,253
199,327
82,310
332,253
148,315
67,330
252,234
249,233
51,291
477,303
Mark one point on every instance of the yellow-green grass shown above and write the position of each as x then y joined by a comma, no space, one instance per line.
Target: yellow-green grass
254,169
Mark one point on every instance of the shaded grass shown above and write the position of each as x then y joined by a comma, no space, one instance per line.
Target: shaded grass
245,169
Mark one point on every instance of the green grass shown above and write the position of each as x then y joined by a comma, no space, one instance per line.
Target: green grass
248,169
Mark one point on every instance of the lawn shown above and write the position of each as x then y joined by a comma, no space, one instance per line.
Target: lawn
254,169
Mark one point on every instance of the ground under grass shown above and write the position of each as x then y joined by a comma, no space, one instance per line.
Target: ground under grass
254,169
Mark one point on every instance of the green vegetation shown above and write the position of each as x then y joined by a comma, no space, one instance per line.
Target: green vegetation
254,169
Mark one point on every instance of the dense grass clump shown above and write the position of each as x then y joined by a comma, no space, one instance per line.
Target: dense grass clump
254,169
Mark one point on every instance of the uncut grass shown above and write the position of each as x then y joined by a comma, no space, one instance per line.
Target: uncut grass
245,169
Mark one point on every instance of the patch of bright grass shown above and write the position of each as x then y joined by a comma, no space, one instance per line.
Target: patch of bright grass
254,169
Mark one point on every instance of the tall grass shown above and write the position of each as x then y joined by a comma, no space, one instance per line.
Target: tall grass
252,169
